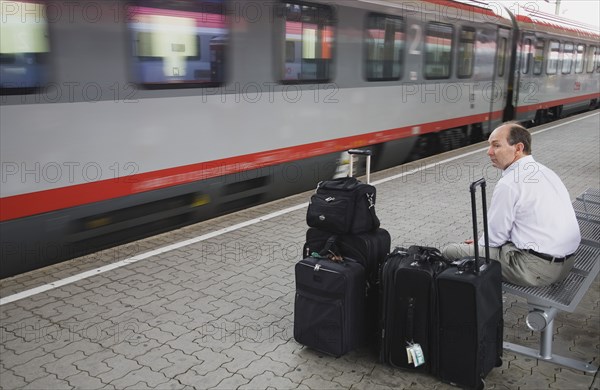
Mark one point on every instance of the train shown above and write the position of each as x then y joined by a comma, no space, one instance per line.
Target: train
124,119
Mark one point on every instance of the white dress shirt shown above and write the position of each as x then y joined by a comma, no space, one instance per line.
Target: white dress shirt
532,209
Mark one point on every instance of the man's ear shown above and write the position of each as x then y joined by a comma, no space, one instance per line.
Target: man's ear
520,147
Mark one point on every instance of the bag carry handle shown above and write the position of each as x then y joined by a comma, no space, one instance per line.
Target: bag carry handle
330,247
331,252
361,152
473,188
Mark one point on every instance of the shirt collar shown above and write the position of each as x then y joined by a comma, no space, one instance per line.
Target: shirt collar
515,165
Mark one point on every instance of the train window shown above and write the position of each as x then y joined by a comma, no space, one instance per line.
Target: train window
552,65
24,47
385,41
589,59
466,52
567,58
501,56
438,51
309,33
178,43
579,59
538,56
526,55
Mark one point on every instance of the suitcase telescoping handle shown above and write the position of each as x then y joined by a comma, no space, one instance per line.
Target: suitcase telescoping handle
474,185
360,152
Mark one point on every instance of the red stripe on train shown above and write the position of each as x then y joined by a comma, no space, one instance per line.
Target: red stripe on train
19,206
554,103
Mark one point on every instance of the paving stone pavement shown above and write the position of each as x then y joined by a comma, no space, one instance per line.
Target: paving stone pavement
219,313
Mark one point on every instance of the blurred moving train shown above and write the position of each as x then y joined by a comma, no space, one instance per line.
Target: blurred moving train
119,119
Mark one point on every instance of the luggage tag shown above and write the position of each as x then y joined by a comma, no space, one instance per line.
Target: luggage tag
414,353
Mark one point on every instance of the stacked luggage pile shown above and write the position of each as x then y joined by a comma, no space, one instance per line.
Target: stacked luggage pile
336,283
420,311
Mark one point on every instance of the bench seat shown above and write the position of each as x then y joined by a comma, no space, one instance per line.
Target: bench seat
545,302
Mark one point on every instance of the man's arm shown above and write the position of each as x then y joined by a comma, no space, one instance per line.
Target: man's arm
501,215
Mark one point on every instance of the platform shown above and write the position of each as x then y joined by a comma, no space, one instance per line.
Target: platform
211,305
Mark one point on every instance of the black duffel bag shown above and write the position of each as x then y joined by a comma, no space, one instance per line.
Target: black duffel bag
343,206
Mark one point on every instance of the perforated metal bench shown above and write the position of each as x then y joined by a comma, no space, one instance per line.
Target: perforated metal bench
545,302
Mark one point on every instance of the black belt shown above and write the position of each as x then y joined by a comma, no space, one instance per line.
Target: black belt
548,257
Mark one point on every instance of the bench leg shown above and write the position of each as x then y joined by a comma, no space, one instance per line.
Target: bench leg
542,319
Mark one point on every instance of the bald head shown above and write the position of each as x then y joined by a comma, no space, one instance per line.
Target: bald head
508,143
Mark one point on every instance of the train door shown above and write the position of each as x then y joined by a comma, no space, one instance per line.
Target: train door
500,86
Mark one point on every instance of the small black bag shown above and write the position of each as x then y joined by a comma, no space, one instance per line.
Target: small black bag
343,206
369,249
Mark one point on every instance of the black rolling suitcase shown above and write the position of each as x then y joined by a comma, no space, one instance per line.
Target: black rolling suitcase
408,303
329,309
370,250
470,313
344,205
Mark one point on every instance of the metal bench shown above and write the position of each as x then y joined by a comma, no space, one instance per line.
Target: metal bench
545,302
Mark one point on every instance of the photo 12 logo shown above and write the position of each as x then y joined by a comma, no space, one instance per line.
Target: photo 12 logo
74,91
45,332
270,92
67,172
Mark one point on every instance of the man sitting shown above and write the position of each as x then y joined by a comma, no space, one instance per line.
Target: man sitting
533,230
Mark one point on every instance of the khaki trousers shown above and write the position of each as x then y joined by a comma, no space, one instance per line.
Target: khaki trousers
518,266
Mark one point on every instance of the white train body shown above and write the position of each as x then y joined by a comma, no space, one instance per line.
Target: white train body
119,120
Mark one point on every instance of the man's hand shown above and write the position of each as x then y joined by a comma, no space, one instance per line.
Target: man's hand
469,241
